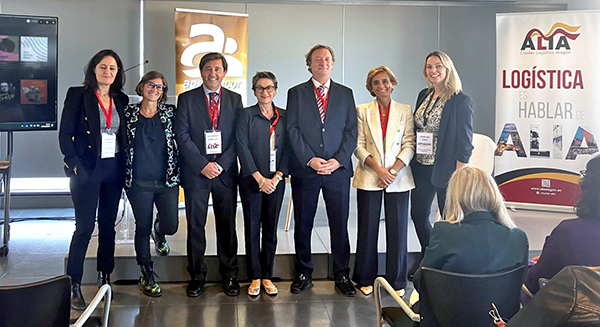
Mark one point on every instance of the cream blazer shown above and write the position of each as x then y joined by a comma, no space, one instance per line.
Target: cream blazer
399,143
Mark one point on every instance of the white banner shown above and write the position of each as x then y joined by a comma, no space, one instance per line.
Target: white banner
548,75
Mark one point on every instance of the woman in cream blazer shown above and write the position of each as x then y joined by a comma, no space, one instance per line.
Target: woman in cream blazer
385,147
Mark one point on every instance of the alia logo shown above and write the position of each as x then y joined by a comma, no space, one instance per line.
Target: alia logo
226,46
556,39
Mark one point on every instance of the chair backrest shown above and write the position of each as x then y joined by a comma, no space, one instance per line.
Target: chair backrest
454,299
40,304
483,153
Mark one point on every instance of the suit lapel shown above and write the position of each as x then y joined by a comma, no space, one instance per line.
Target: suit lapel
393,120
201,100
375,127
309,93
90,106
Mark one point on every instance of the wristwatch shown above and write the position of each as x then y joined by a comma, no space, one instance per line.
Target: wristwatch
393,171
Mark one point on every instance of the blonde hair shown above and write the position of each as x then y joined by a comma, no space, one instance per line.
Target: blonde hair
452,82
377,70
471,189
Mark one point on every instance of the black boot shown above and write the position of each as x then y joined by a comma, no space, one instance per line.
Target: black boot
160,241
77,301
103,278
147,282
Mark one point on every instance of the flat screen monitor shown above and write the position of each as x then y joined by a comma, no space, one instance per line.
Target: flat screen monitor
28,73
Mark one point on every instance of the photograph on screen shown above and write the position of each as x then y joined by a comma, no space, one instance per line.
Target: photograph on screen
9,48
34,49
34,91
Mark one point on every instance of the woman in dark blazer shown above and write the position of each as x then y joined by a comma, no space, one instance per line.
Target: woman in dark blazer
573,241
92,138
152,174
262,149
444,132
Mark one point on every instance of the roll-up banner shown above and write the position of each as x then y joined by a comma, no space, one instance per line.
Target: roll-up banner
547,116
199,32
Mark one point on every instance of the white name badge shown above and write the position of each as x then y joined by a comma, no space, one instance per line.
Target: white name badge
273,161
109,145
424,143
214,144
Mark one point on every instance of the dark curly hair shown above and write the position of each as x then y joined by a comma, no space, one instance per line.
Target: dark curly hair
588,203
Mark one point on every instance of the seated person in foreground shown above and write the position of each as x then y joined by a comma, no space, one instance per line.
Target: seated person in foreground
570,298
478,236
573,241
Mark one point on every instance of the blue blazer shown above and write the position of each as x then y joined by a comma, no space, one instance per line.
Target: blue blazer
309,137
189,124
455,137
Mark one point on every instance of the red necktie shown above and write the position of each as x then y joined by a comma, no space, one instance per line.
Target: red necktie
214,109
320,102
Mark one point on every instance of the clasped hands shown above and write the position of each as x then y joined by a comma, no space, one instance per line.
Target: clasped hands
386,178
211,170
324,167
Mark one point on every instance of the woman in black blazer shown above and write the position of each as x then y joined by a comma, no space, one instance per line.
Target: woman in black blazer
262,149
444,131
92,138
152,174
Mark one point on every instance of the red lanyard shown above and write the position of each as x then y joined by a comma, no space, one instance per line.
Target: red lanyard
107,115
274,122
384,121
214,114
326,100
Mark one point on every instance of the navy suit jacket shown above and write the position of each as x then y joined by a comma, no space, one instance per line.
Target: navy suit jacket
79,135
309,137
191,120
455,136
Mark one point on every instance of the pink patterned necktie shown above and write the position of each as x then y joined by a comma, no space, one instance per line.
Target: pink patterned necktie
320,103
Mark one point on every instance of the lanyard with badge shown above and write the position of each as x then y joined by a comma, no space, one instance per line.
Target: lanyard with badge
272,146
109,140
212,137
424,139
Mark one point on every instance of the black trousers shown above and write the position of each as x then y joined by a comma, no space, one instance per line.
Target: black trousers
224,199
336,193
100,190
143,195
396,221
260,210
421,199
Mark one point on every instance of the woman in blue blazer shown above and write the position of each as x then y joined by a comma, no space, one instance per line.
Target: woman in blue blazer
444,130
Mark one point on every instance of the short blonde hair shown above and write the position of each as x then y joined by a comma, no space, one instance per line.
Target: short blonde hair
452,81
471,189
377,70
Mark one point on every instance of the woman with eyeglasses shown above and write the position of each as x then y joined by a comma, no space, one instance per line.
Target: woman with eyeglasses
92,138
152,174
262,149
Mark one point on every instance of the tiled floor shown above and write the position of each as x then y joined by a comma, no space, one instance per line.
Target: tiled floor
38,248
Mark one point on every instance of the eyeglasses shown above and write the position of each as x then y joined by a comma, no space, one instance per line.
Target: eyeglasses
269,89
157,86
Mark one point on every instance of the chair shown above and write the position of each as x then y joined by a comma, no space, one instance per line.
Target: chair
454,299
483,153
47,303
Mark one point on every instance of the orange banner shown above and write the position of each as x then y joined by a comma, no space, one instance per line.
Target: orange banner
199,32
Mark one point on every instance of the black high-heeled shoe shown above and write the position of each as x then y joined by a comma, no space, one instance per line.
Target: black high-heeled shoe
103,279
77,301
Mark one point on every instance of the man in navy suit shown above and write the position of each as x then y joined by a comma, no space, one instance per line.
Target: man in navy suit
322,132
205,132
